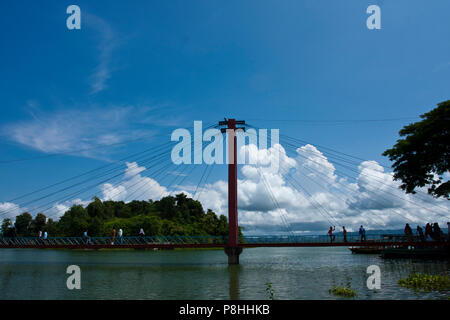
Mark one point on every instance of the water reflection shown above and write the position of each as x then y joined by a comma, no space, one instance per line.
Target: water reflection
233,273
295,273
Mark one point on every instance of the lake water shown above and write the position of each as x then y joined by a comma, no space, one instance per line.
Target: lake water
295,273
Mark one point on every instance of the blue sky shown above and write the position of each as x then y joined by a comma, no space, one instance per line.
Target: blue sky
141,68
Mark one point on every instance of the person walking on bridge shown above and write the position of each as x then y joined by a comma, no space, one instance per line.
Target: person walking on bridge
330,233
141,235
113,235
344,233
408,232
420,232
436,232
362,233
448,231
86,237
428,232
120,235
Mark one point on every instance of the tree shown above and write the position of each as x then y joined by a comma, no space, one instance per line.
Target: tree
422,157
38,223
74,222
23,222
7,227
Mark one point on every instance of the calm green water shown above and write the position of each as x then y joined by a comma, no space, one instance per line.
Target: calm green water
296,273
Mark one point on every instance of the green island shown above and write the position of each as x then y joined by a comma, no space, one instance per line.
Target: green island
343,291
427,282
171,216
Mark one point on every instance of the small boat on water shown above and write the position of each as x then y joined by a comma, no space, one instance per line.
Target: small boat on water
367,250
417,253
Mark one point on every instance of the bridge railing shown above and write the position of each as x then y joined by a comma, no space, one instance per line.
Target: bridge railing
130,240
326,238
180,240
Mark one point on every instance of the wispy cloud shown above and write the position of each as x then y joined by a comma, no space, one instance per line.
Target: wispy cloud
107,43
72,130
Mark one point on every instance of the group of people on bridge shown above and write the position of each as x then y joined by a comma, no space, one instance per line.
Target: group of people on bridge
432,233
114,234
362,234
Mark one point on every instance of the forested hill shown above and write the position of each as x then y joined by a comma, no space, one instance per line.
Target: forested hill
169,216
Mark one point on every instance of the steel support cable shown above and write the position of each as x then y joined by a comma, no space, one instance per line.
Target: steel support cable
81,150
200,181
187,175
322,176
175,177
316,207
155,175
357,164
206,179
314,202
419,192
344,185
403,216
283,218
369,176
334,195
71,196
95,169
84,190
85,173
154,180
182,180
376,179
320,146
174,180
157,157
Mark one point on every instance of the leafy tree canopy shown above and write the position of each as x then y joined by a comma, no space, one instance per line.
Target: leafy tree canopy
168,216
422,157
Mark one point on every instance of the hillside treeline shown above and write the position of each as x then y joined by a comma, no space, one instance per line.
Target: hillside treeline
170,216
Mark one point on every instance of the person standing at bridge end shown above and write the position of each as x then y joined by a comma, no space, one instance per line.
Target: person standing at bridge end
448,231
362,233
120,235
330,233
113,235
344,233
420,232
408,232
141,235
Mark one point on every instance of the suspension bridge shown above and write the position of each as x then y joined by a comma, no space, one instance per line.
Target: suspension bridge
233,244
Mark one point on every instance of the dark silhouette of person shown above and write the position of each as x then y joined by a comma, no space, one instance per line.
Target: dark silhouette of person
420,232
428,231
436,232
113,235
408,232
330,233
448,231
362,233
344,233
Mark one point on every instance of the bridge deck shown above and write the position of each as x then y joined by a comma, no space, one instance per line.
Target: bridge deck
210,242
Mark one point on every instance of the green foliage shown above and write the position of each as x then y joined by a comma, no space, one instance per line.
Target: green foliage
38,224
270,291
343,291
23,224
169,216
426,282
7,228
423,152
